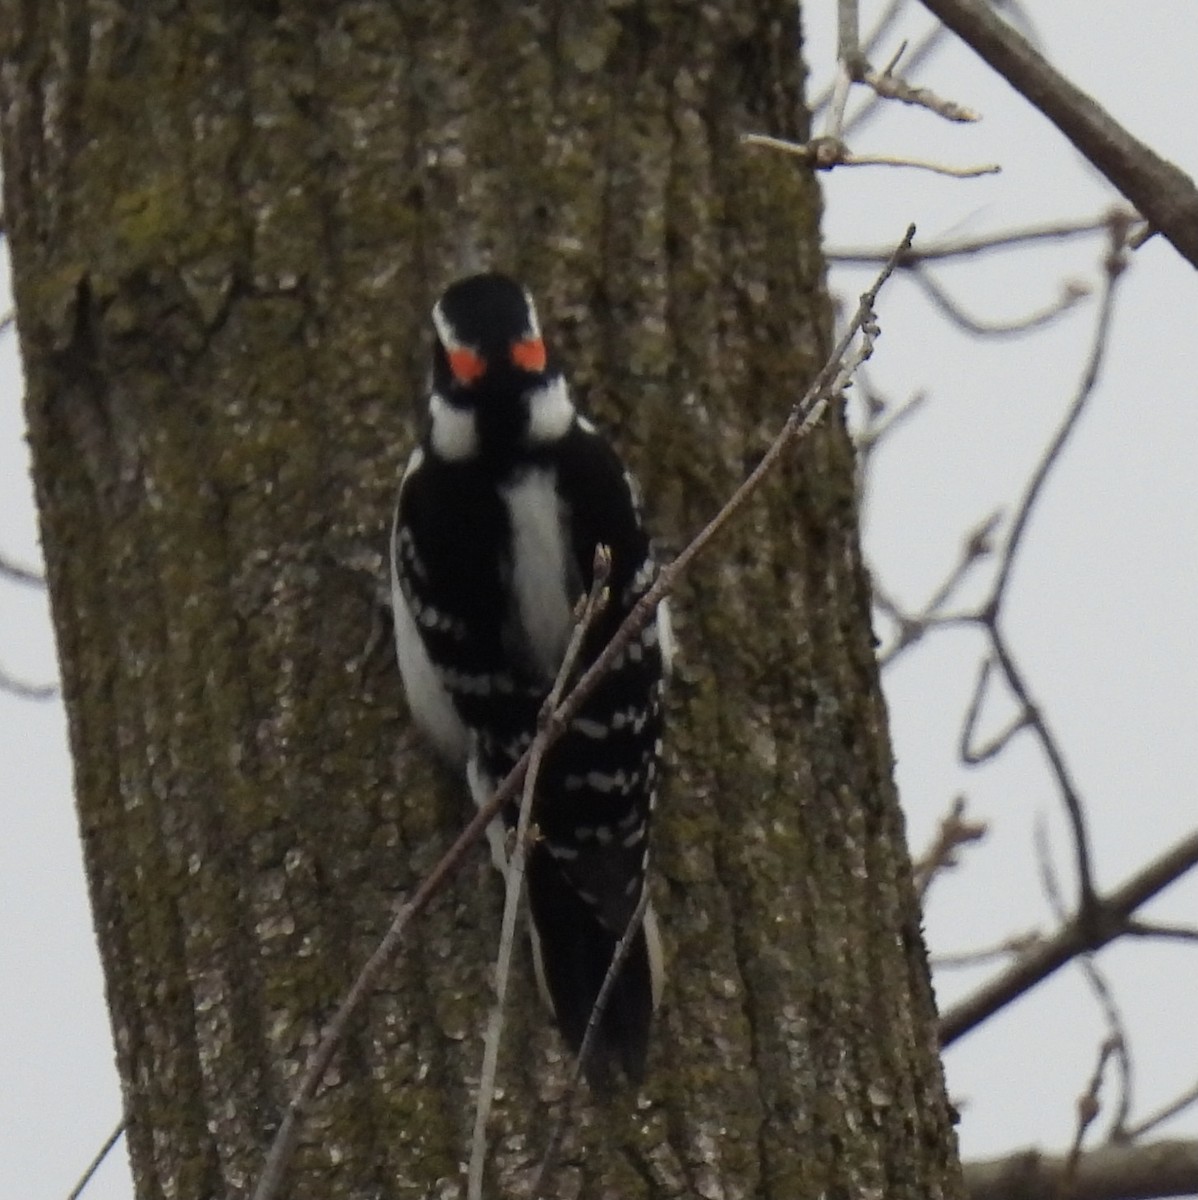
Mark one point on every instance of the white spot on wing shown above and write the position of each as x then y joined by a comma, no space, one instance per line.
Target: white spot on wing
588,728
665,636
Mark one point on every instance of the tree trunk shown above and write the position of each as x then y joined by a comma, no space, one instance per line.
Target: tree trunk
228,220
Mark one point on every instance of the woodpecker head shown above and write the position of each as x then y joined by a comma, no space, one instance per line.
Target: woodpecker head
494,390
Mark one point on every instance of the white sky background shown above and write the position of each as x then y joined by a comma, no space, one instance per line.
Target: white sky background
1102,613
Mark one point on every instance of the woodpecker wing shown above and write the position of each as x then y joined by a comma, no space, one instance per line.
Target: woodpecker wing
447,576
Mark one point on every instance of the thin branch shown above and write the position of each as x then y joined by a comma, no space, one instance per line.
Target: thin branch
1164,193
15,573
892,87
833,377
977,544
882,26
824,153
990,614
1072,294
1010,239
1087,1112
24,690
923,52
1166,1113
1106,920
953,832
972,754
846,53
591,606
1018,944
1115,263
878,430
1157,929
95,1164
1117,1037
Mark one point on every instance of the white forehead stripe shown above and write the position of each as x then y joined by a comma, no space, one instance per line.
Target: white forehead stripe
550,411
455,433
444,330
534,325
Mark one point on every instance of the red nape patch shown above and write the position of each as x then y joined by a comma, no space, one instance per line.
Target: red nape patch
466,365
529,354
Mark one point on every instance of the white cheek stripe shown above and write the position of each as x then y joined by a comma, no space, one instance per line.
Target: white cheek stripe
550,411
455,433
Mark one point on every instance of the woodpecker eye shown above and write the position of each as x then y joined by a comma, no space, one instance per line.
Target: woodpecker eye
529,354
466,365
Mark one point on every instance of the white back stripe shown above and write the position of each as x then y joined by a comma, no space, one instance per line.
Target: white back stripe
540,568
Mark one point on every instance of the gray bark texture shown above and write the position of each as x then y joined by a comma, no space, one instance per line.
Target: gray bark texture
228,220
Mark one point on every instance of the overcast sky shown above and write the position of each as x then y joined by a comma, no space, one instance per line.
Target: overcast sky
1102,614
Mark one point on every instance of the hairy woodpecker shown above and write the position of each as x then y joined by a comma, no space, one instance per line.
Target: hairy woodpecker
499,513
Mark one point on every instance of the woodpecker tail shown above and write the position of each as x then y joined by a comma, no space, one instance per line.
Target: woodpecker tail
573,951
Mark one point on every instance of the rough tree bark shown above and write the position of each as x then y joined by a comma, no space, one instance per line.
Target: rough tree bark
227,220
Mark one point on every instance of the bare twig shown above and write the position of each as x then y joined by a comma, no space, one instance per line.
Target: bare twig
990,615
1087,1112
1090,931
1166,1113
970,752
1117,1038
15,573
1164,193
891,87
883,422
922,52
977,544
1009,239
824,153
1019,944
591,606
95,1164
833,377
1157,929
1072,294
954,832
24,690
